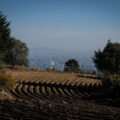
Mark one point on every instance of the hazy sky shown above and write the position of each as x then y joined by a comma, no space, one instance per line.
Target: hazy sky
64,24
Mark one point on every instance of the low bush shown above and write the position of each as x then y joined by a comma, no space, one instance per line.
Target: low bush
6,82
113,82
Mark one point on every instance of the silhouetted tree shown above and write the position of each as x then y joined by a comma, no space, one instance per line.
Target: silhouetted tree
71,66
108,60
5,42
12,51
18,54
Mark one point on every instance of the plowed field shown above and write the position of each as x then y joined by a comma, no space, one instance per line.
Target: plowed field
54,95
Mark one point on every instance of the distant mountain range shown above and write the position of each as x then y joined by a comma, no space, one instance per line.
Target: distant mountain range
45,57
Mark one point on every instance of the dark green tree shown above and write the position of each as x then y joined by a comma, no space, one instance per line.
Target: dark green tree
71,66
12,51
5,42
18,54
108,60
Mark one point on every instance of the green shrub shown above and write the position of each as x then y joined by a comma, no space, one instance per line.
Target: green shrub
113,82
72,65
6,82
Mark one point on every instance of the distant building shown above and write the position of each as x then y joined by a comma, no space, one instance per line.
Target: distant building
52,64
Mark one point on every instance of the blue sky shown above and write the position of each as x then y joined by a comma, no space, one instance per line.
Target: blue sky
64,24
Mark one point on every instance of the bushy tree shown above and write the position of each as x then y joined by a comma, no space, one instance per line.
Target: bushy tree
12,51
18,54
5,42
71,66
108,60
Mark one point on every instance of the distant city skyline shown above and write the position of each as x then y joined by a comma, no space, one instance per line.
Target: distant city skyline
81,25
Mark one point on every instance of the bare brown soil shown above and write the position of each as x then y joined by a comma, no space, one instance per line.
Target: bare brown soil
40,95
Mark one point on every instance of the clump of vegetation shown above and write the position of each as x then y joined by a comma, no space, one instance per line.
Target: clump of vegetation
108,60
14,50
6,82
71,66
17,55
108,63
113,82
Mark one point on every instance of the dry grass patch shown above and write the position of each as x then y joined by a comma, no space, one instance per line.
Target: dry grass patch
53,77
6,82
5,95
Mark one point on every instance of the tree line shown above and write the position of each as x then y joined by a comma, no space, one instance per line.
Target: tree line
106,61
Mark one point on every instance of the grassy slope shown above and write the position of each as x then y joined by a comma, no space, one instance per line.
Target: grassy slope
49,105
